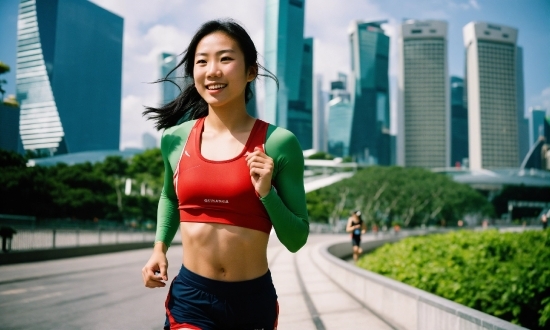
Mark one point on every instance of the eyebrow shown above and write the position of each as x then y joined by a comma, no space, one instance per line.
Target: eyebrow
217,53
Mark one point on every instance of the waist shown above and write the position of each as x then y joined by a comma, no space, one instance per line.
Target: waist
223,288
205,215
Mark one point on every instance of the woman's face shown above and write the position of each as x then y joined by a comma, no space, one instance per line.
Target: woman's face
219,70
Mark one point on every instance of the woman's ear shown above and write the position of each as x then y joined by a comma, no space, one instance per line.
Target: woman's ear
252,72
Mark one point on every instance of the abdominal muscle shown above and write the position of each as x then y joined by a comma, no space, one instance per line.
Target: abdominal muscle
224,252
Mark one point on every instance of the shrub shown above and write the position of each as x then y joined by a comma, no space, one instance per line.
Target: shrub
503,274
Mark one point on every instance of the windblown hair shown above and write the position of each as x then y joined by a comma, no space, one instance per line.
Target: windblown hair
189,104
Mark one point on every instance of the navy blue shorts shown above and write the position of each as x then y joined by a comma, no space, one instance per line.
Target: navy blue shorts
197,302
356,240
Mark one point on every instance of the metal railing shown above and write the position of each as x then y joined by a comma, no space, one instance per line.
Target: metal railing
33,239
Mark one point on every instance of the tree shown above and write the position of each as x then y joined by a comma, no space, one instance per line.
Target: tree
114,168
412,196
11,159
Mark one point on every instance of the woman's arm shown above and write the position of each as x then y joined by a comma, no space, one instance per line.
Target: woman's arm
167,212
349,227
286,203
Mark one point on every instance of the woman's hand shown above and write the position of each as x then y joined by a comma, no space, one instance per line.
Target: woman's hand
261,171
156,264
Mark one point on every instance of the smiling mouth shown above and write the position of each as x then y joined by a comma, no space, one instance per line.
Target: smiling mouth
215,87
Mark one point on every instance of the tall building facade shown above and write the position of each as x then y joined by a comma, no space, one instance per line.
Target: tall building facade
459,123
370,132
491,79
290,57
168,91
523,122
9,127
424,116
340,121
537,119
69,76
319,115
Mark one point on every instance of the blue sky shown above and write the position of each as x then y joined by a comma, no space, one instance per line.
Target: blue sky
152,27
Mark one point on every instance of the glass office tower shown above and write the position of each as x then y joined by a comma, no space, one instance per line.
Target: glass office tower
370,132
169,91
9,128
459,123
69,73
537,118
523,122
424,117
290,57
491,82
340,121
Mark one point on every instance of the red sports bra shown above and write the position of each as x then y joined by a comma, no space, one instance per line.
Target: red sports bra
220,191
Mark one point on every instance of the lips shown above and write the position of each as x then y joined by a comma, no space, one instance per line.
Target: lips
214,87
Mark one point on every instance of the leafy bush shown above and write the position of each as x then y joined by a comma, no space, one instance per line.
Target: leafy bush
503,274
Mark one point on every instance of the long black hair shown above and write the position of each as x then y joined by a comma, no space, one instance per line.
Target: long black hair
189,104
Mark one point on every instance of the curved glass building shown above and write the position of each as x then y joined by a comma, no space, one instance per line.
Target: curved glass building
69,72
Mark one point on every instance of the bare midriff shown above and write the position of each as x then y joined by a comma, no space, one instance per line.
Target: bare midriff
224,252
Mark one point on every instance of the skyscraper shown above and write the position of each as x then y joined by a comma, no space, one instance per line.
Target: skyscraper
319,115
523,122
340,121
69,72
537,118
370,131
423,101
9,127
290,57
459,123
491,83
169,91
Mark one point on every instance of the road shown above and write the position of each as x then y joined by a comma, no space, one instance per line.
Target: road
106,292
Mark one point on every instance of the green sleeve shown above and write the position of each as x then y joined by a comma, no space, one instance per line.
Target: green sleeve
286,204
171,146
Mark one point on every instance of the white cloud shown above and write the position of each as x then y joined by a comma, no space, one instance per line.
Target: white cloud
168,25
133,123
542,100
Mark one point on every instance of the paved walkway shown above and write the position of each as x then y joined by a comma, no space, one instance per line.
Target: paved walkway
309,299
106,292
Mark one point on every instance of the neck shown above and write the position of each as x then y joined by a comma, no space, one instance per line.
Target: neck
232,118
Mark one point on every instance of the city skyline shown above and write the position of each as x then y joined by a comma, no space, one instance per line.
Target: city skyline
167,27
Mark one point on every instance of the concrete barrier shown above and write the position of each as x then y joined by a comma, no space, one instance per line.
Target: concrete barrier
403,306
15,257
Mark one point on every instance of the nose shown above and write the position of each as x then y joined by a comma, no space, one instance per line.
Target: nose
213,70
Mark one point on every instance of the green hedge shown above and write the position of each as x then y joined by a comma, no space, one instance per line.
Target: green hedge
503,274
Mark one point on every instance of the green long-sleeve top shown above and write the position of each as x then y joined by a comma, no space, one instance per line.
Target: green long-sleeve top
285,205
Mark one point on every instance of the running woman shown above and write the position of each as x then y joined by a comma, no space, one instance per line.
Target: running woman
229,178
356,226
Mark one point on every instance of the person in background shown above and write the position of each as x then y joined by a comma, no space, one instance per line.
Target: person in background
229,178
544,220
356,226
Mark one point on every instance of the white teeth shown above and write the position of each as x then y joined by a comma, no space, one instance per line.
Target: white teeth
217,86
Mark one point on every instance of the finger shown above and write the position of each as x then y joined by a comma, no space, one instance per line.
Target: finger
255,155
155,284
164,272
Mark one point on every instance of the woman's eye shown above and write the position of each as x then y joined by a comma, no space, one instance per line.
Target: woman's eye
201,61
225,59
